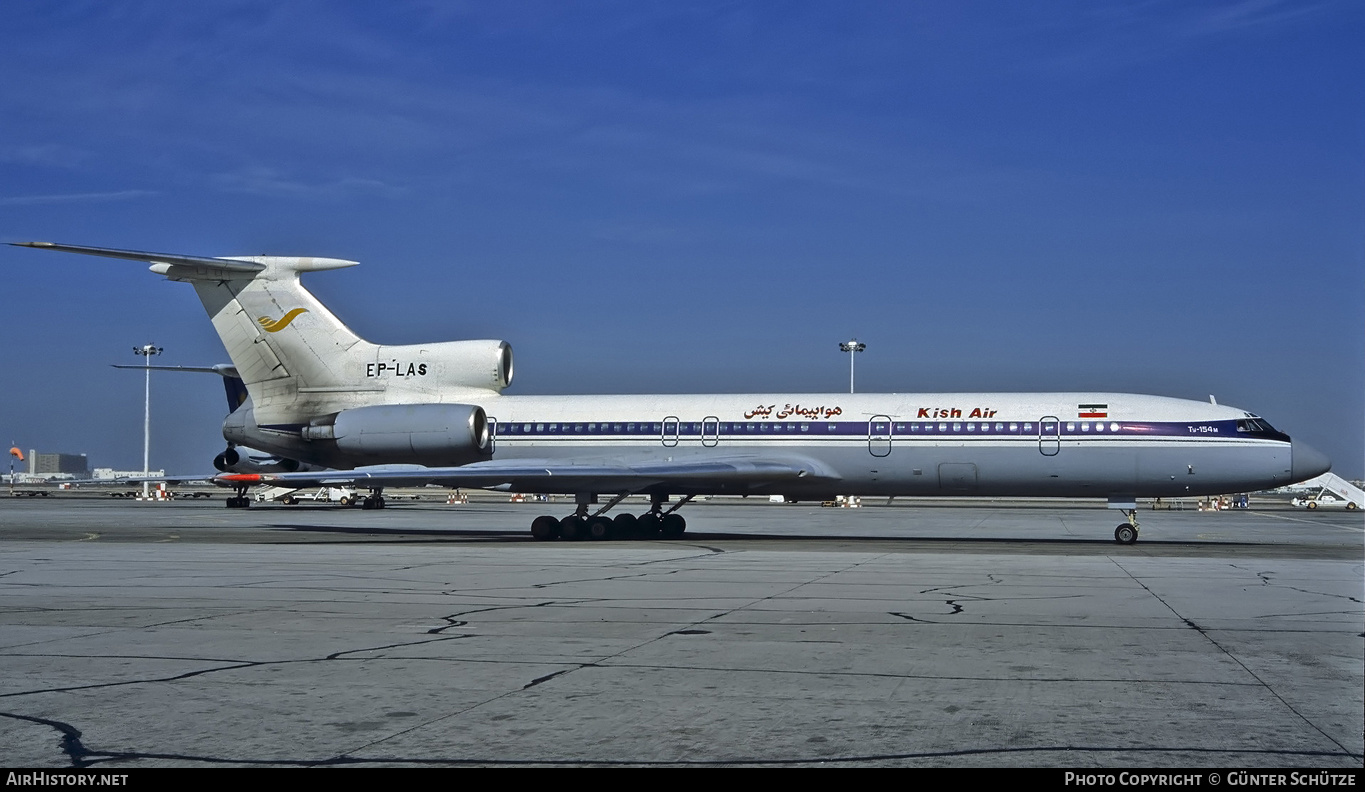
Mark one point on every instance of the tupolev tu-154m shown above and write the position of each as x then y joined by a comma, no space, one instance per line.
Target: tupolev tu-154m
385,416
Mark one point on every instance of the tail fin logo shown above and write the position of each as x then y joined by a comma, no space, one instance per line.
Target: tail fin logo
276,325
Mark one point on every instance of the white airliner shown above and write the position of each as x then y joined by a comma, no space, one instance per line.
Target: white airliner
435,414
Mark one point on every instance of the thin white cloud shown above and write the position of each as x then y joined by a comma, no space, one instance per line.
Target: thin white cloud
94,197
45,155
1246,16
266,181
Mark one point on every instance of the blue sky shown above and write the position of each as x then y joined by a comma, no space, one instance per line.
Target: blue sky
1154,197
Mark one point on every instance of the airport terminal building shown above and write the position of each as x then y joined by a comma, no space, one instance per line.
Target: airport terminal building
58,465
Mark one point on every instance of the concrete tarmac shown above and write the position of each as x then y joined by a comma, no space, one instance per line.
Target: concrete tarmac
982,634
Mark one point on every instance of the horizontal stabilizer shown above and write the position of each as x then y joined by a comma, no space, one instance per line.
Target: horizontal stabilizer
232,381
177,266
230,265
221,369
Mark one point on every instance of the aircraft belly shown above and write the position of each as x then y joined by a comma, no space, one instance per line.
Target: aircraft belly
1209,469
1014,471
910,469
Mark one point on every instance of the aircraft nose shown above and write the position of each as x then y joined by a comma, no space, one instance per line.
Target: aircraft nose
1307,462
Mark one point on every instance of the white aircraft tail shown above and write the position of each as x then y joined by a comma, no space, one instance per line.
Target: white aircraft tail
296,357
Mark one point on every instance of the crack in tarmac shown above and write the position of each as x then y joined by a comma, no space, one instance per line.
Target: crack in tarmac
81,756
78,752
1228,653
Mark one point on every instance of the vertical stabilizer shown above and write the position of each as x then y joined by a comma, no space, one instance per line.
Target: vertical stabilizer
277,333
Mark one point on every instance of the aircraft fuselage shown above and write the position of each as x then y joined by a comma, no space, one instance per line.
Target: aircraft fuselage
985,444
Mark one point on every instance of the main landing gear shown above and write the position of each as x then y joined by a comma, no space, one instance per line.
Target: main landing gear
374,501
653,524
240,501
1127,533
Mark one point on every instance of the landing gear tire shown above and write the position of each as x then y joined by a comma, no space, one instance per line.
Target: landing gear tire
647,527
543,529
672,526
599,528
572,528
624,525
1125,534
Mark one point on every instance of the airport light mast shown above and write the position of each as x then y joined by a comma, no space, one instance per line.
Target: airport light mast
147,352
851,347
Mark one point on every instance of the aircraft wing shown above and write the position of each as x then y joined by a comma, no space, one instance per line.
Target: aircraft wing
702,476
202,478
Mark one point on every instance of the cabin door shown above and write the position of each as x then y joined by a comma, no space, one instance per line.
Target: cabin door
710,431
1049,435
879,435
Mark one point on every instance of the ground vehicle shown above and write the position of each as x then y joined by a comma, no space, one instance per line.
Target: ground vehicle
1325,500
289,496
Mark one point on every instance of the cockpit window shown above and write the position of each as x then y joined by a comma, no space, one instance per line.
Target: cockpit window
1254,426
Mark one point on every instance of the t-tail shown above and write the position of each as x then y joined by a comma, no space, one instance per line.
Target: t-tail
296,357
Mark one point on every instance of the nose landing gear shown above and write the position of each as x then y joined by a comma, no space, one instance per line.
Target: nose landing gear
1127,533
